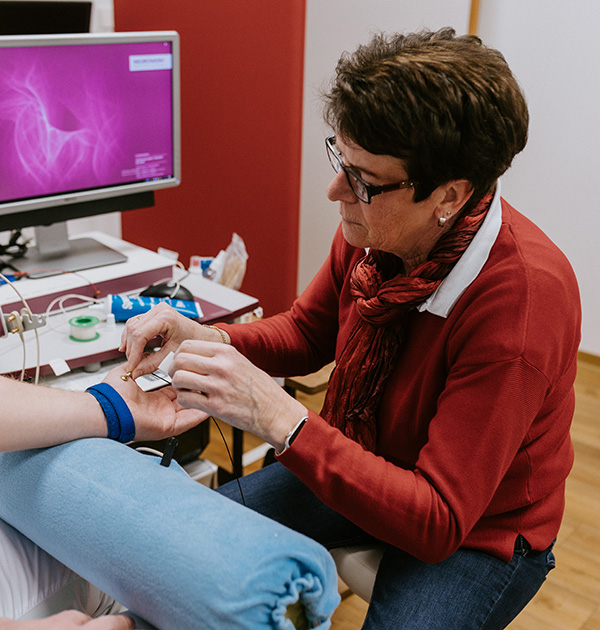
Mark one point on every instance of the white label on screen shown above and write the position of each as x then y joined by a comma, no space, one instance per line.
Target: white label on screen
139,63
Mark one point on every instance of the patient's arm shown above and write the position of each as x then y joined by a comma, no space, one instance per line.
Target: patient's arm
69,620
33,416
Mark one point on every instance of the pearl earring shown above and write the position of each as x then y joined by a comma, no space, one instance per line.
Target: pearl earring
443,220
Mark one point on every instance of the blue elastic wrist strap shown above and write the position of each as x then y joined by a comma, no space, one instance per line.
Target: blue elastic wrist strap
120,422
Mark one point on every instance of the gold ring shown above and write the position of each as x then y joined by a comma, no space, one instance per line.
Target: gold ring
126,376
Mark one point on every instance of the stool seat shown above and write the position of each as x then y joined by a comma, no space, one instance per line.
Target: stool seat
357,567
310,383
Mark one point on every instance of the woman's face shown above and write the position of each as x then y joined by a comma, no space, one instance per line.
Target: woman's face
392,222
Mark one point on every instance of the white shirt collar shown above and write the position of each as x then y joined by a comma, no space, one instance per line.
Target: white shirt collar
443,299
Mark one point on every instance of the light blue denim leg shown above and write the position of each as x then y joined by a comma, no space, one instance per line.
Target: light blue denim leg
170,549
277,493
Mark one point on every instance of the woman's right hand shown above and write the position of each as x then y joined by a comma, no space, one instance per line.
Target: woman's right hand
166,323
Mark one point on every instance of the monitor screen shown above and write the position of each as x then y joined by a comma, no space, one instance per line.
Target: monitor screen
88,124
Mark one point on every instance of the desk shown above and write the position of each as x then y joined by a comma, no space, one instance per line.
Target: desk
142,268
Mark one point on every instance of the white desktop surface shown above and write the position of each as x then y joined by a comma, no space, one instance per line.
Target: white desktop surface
56,345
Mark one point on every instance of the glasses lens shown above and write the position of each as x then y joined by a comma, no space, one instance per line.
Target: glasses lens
335,159
358,186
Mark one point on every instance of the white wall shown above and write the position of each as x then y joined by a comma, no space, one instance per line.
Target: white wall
553,48
103,16
333,26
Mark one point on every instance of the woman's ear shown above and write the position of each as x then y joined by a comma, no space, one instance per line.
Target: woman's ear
456,195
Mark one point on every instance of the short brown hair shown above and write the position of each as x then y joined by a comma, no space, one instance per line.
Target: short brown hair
446,105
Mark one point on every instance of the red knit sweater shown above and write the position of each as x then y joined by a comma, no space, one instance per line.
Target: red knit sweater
473,441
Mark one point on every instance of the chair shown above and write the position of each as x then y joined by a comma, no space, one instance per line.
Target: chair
357,567
310,383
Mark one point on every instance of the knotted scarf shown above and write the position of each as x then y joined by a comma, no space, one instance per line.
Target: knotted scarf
384,295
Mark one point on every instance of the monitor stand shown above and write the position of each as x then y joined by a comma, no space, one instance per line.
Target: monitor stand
56,253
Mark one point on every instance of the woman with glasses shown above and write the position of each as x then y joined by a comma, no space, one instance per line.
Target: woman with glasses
454,324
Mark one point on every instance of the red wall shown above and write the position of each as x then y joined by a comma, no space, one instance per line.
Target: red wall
241,89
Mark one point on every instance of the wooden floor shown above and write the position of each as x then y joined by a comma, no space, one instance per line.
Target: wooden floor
570,598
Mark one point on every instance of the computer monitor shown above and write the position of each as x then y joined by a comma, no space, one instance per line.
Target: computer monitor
89,124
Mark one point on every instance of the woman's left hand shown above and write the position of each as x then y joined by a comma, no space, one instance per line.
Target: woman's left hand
156,414
218,380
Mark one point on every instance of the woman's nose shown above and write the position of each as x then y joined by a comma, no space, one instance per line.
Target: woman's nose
339,189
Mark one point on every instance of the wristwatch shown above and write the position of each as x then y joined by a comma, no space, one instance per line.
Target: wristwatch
293,434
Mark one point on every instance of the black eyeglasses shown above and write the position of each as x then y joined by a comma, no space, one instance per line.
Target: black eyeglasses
365,192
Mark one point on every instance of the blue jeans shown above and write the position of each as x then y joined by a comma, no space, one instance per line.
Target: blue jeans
467,591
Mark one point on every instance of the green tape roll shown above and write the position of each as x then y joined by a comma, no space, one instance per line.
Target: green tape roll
83,328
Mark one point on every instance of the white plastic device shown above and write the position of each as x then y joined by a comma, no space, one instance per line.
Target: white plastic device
3,331
16,322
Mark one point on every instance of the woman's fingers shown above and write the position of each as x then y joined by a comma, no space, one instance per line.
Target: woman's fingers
162,322
218,380
195,400
138,332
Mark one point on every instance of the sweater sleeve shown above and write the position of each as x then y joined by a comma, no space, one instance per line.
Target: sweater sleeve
430,508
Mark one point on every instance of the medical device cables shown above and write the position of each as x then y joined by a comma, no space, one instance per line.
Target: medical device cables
19,329
230,457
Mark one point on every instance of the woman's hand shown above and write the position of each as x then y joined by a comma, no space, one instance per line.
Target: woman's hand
70,620
156,414
166,324
216,379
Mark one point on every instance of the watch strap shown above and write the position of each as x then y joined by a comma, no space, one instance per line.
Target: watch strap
293,434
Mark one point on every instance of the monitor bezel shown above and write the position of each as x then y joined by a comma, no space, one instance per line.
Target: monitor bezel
34,205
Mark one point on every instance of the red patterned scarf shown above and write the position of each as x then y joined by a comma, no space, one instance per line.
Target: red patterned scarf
384,296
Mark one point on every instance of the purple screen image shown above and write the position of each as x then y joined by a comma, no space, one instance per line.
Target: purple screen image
80,117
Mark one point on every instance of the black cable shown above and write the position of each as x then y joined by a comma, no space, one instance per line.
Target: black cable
230,458
13,248
170,448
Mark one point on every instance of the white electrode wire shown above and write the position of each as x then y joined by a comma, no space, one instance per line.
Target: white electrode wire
149,451
186,272
37,337
169,281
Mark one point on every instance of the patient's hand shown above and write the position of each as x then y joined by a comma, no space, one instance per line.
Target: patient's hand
157,414
70,620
